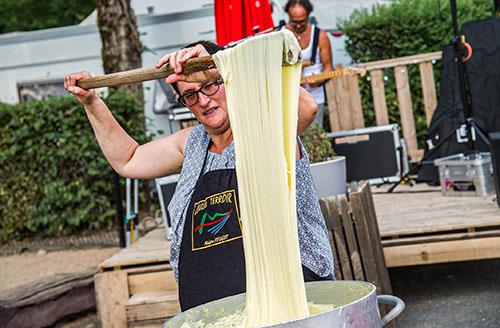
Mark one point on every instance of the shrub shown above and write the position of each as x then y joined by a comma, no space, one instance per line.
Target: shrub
404,28
317,144
55,179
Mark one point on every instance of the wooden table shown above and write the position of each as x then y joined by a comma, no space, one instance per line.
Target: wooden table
136,286
419,225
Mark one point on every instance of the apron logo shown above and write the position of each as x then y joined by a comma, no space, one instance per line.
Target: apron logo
211,224
218,224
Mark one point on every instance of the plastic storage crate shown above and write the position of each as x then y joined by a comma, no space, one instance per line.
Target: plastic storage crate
466,175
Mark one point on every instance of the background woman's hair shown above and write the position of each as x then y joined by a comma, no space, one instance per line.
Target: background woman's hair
304,3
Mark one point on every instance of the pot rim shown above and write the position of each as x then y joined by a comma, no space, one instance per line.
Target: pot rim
324,313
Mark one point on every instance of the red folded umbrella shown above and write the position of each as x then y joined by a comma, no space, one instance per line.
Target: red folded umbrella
236,19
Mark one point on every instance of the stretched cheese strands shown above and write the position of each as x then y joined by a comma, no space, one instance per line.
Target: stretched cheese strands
262,99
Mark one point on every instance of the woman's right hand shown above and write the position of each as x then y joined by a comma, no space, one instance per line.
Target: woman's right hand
176,59
86,97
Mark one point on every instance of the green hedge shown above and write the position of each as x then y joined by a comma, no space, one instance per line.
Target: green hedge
55,179
29,15
405,28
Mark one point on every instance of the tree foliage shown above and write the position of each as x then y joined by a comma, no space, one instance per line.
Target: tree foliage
405,28
29,15
55,179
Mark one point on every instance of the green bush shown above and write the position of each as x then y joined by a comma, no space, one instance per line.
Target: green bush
55,179
316,142
29,15
405,28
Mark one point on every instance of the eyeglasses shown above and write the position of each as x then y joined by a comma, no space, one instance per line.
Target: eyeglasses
301,22
191,98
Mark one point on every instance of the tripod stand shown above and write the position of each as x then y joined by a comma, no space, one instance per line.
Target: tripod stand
458,41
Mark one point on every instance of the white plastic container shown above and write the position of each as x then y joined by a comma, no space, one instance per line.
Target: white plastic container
330,177
466,175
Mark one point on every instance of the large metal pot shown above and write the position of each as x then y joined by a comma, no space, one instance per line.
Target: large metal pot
356,301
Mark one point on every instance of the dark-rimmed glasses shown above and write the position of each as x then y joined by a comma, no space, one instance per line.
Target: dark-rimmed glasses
191,98
301,22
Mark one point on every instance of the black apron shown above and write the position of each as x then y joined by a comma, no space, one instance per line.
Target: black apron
211,260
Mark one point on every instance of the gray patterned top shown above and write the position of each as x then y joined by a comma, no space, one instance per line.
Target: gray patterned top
314,245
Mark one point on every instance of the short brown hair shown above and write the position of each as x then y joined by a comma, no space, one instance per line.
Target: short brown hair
304,3
211,47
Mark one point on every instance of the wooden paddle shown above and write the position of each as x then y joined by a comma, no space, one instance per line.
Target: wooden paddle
152,73
145,74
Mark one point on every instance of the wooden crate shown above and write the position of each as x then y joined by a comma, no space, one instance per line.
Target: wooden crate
136,287
151,309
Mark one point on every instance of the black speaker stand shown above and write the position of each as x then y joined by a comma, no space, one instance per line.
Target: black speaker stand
458,41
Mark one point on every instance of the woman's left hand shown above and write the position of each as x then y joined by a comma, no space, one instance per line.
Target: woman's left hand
311,82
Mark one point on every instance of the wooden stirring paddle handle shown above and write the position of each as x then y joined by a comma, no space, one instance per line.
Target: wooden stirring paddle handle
145,74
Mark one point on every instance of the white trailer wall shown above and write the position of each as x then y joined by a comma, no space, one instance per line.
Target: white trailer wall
54,53
164,26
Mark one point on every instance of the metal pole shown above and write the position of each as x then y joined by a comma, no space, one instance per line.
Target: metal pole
128,214
136,209
461,72
119,209
463,95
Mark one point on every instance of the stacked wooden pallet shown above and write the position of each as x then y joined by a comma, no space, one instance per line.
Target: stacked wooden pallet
355,239
419,225
136,287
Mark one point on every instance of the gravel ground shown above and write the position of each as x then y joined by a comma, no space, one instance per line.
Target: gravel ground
461,294
22,268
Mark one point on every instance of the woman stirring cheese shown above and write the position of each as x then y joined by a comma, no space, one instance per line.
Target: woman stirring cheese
207,252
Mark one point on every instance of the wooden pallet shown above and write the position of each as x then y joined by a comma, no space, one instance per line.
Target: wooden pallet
345,108
355,239
419,225
152,248
136,287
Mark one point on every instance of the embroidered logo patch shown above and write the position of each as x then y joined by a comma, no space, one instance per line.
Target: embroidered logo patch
215,220
216,225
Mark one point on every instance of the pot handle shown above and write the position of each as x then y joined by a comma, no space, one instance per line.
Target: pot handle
398,303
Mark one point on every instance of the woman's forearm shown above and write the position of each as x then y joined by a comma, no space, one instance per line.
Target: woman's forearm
308,107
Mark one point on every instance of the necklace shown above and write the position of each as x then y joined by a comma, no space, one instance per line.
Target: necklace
299,35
